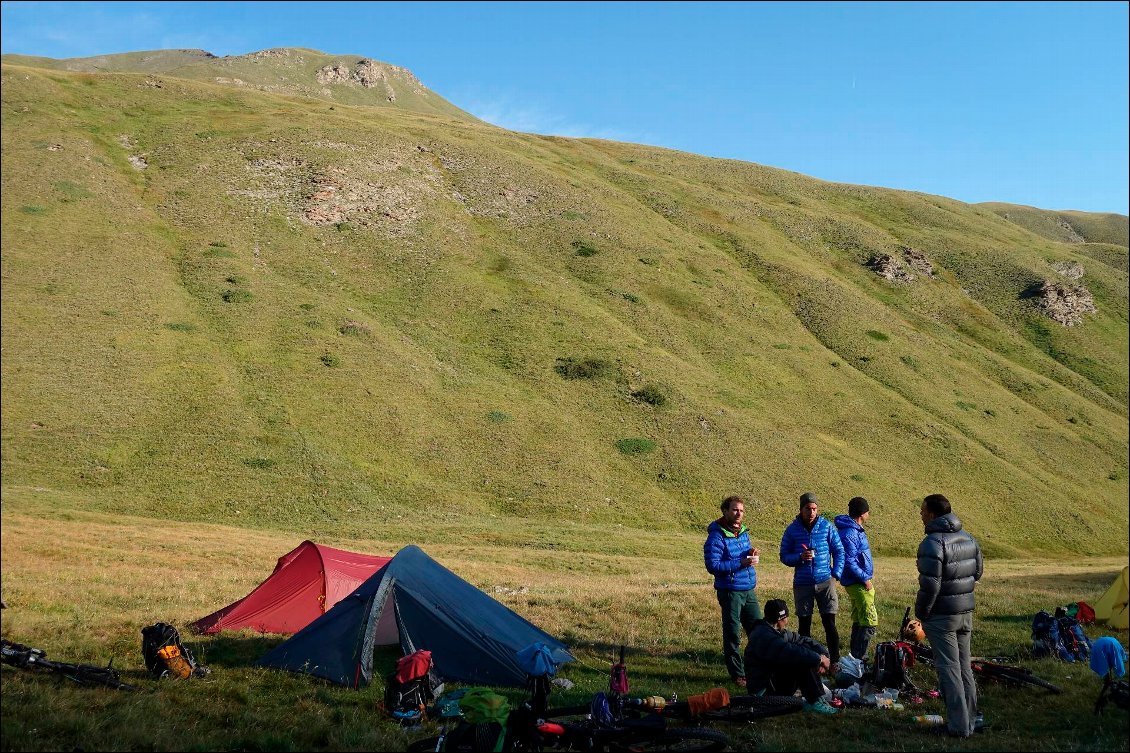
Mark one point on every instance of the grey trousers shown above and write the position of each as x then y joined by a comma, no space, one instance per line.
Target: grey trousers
949,638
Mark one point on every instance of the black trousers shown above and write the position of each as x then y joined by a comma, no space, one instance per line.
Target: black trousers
787,680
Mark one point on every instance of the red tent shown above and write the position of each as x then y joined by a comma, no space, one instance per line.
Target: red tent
306,583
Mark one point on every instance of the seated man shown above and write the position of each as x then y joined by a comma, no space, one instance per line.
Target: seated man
779,661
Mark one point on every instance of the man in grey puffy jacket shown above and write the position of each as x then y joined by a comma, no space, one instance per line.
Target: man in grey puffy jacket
949,566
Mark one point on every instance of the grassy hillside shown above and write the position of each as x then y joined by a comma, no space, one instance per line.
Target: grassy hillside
81,585
294,71
1067,226
227,306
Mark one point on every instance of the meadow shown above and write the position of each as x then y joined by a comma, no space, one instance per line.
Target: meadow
82,584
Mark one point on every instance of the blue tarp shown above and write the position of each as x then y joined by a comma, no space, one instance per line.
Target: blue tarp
418,603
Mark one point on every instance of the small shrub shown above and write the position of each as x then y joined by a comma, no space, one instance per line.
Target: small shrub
648,261
234,279
651,395
630,297
181,327
911,361
258,462
498,417
355,329
584,248
635,446
330,360
306,306
835,364
875,334
218,252
33,209
234,295
964,405
990,412
343,227
218,244
569,214
72,191
782,346
585,368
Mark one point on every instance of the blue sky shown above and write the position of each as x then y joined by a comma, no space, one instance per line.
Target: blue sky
1018,102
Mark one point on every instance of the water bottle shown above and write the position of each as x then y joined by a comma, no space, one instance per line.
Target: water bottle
929,720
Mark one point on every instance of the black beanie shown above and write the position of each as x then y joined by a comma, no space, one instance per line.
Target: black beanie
857,506
775,609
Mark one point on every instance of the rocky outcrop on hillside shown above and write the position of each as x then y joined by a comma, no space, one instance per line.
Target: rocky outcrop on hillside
369,74
1072,270
902,268
1069,230
1063,302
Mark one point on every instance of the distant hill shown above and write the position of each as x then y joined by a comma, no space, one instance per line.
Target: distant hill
319,312
1067,226
348,79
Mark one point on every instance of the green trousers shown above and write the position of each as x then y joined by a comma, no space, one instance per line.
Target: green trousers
740,612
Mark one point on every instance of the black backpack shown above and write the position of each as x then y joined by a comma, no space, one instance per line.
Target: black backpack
893,659
165,655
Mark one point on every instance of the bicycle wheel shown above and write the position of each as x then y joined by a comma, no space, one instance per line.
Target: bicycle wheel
1016,676
770,704
683,739
425,745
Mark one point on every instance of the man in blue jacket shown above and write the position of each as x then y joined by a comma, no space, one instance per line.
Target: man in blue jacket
730,558
812,547
857,575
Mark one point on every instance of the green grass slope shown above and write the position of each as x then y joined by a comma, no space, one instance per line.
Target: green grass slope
283,70
228,306
1067,226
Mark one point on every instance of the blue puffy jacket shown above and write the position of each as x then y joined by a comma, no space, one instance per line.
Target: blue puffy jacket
722,554
824,541
858,567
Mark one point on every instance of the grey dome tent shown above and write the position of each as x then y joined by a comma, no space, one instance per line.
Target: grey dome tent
417,603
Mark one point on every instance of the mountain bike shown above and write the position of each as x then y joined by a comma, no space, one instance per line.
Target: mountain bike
984,668
25,657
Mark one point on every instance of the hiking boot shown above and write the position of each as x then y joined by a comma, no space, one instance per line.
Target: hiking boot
820,707
740,682
979,724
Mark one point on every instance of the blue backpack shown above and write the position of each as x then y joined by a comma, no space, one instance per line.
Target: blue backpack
1061,637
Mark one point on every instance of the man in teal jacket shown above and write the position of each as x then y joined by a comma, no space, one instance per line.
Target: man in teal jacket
730,558
812,547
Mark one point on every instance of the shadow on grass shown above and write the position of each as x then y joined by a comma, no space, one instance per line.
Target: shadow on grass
236,650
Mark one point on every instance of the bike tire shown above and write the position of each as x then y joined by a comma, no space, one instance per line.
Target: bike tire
424,746
675,740
1018,676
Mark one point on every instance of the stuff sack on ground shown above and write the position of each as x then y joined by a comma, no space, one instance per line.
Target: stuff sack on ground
165,655
483,726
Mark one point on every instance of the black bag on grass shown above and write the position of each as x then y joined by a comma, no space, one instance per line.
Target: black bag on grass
165,655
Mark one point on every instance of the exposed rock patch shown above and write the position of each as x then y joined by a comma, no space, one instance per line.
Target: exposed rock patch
1072,234
902,268
1072,270
891,268
1063,302
917,261
366,73
138,161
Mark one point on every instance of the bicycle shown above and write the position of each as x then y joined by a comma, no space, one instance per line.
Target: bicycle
983,668
25,657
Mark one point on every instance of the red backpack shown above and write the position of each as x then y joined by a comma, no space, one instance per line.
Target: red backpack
1086,614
